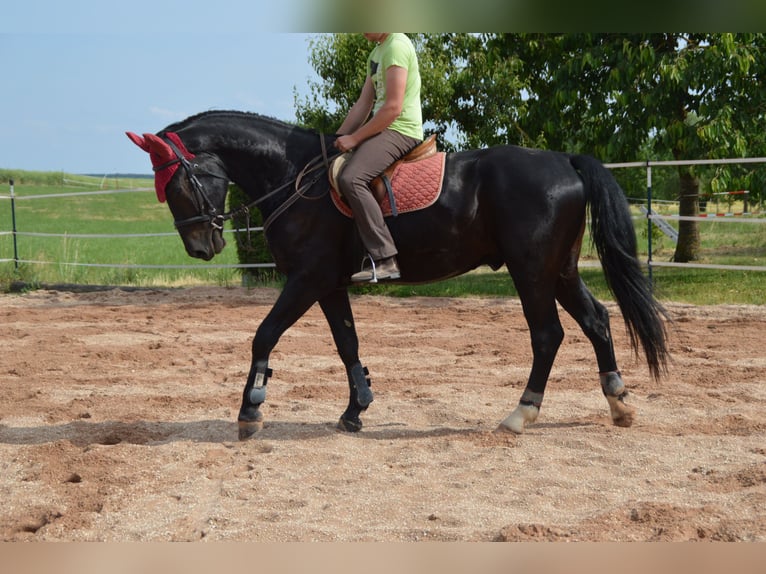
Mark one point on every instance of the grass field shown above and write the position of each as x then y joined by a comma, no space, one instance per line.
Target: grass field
112,261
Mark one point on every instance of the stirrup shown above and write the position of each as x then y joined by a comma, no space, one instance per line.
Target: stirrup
388,270
374,269
363,269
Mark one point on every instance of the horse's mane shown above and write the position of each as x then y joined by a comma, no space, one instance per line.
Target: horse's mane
233,115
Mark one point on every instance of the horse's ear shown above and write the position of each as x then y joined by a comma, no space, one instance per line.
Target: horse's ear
160,153
152,144
138,140
159,147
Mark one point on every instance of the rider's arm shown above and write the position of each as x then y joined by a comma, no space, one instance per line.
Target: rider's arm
396,82
361,109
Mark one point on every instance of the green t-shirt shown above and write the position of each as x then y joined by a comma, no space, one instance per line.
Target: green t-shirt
397,50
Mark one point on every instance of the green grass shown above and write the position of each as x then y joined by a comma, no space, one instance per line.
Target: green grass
710,286
694,286
723,243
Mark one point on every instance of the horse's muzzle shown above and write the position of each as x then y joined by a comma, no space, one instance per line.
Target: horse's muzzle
204,246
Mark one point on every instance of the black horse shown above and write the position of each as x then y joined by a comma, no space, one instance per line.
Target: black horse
508,205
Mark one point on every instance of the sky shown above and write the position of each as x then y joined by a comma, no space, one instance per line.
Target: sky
75,80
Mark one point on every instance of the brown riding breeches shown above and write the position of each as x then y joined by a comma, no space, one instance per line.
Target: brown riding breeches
366,163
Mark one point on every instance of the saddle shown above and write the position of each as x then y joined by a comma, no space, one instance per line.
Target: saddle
381,186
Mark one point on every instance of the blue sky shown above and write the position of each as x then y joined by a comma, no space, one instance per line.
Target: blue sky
75,75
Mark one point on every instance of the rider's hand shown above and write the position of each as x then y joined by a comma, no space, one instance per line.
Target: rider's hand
346,143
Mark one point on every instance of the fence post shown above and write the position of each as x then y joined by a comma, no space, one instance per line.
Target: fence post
13,228
649,222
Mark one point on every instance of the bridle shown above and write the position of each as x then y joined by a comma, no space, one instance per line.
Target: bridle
207,213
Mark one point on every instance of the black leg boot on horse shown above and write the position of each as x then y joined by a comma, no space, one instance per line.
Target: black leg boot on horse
250,419
337,310
360,397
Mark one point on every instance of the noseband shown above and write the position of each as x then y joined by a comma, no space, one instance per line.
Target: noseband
207,211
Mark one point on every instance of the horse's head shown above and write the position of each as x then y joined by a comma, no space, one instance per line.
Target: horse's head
196,193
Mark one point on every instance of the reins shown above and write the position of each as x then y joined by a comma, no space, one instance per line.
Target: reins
300,188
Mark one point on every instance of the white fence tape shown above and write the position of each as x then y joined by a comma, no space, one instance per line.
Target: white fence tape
76,193
142,266
708,266
113,235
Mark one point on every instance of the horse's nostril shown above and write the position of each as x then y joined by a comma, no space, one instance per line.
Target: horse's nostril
204,254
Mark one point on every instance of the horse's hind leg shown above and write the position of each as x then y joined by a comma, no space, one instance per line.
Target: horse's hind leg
593,319
546,334
337,310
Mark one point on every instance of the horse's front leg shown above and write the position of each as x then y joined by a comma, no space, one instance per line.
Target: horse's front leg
296,298
337,310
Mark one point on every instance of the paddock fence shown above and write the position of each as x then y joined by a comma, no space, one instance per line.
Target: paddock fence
649,211
662,222
18,235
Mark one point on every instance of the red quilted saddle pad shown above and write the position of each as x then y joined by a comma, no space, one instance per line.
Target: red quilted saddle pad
416,185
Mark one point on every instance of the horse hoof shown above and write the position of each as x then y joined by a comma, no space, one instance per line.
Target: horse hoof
346,425
247,429
515,426
521,415
503,428
622,415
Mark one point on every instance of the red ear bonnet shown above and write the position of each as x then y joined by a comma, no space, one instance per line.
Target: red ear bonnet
161,153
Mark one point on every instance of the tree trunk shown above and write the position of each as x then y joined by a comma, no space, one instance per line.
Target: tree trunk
688,246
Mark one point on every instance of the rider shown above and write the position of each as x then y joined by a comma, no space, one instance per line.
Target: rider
391,92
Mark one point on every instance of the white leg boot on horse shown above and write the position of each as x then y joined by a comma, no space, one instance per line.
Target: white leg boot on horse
615,393
526,413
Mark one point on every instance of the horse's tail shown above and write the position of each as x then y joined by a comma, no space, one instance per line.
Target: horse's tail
613,234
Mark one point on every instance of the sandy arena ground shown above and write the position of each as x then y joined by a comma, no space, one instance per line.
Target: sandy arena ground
117,423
